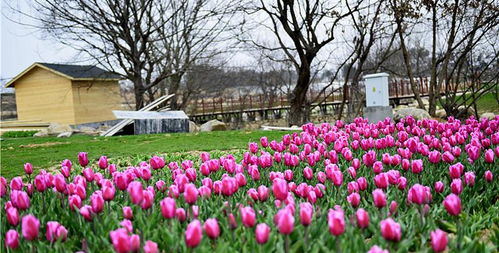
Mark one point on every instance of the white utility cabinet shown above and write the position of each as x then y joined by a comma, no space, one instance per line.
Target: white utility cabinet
376,89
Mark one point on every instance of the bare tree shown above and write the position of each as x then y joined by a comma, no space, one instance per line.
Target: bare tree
401,11
302,29
462,27
118,35
197,32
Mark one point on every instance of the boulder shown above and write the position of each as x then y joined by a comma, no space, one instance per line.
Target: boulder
488,115
56,129
193,128
41,133
64,135
414,112
213,125
86,130
441,113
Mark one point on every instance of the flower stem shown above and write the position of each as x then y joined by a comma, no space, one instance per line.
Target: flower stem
286,244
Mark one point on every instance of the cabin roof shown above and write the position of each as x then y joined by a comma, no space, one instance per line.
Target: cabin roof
72,72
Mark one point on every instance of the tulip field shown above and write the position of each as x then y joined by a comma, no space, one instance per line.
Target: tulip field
408,186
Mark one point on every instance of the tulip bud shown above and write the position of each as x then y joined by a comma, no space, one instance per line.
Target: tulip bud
12,239
390,230
438,240
193,234
262,232
211,228
30,227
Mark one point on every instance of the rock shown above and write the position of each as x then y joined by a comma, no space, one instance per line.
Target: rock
41,133
86,130
64,135
213,125
441,113
56,128
488,115
193,128
414,112
465,113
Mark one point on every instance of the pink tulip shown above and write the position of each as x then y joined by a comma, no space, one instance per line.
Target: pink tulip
248,216
108,192
211,228
417,166
21,199
263,193
362,182
148,199
377,249
127,224
489,156
136,192
157,162
362,218
180,214
418,194
306,213
40,184
452,204
16,183
151,247
280,189
86,212
381,180
121,240
439,186
103,162
337,178
456,186
262,232
469,178
377,167
74,202
12,239
12,216
434,157
393,207
193,234
55,231
28,168
390,230
354,199
191,194
456,170
127,213
488,176
308,173
83,159
336,222
438,240
97,202
379,198
30,227
285,221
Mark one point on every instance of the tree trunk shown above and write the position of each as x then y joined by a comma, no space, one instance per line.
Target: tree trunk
139,90
407,62
297,112
173,89
432,107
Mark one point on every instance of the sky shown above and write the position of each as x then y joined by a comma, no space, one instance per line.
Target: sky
22,45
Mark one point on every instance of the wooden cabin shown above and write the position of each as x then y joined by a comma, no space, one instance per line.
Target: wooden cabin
66,94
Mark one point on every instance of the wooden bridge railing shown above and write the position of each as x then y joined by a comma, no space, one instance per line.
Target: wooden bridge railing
204,106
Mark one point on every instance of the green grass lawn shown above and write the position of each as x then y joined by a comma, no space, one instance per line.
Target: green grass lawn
48,152
486,103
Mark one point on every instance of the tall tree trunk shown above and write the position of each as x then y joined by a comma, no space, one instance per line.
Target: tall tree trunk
297,112
139,90
432,107
407,62
173,89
